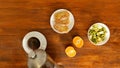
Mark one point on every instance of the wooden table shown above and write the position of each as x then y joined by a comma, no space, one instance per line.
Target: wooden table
18,17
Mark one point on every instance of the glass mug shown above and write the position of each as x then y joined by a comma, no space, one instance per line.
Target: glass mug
40,59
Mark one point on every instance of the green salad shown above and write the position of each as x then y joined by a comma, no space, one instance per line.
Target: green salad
97,33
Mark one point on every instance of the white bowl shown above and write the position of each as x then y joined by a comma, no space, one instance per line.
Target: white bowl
106,37
70,25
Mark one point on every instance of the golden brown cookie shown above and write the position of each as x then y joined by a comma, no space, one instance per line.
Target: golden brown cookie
61,27
62,17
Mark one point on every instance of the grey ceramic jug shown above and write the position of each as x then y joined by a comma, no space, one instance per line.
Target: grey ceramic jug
40,59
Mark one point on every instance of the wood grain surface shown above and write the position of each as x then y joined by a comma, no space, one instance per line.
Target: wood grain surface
18,17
